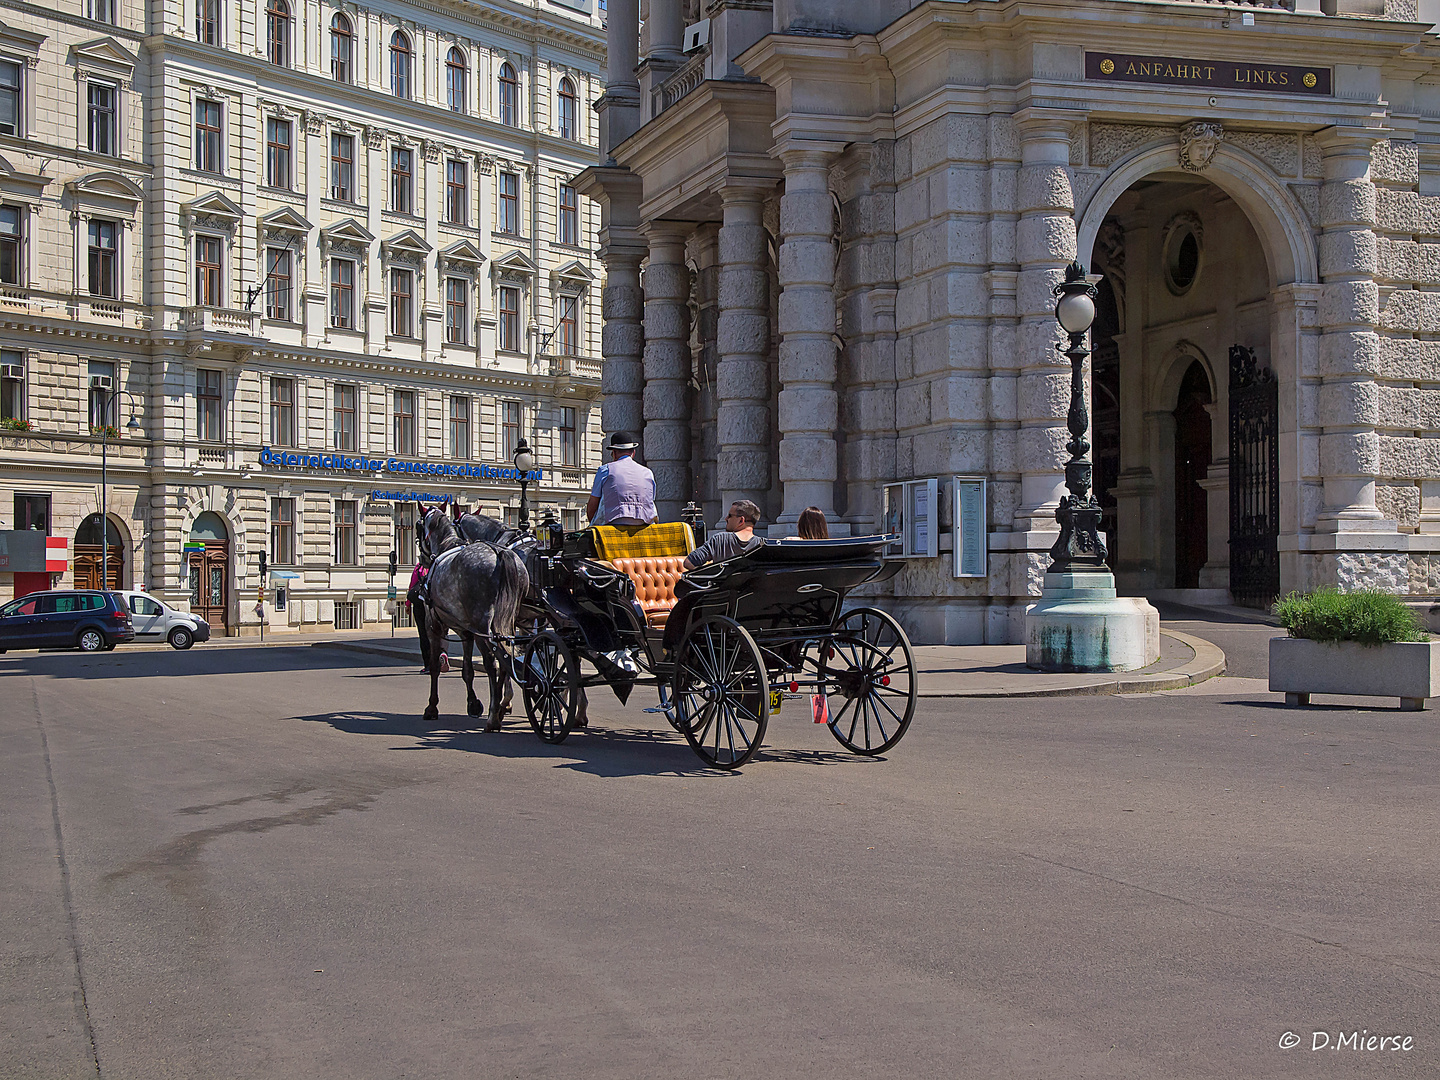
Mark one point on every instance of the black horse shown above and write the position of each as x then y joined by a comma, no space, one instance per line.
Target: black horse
475,590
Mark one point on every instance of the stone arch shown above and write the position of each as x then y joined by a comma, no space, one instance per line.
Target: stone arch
1285,233
1170,374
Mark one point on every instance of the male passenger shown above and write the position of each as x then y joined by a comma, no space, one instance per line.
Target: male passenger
737,539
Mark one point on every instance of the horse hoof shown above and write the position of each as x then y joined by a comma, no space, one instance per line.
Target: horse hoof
432,714
474,709
492,727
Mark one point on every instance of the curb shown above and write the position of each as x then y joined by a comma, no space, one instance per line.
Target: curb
1208,662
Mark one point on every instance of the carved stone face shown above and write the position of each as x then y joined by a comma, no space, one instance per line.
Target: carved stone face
1198,143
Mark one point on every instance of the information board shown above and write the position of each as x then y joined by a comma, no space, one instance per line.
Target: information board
911,515
969,515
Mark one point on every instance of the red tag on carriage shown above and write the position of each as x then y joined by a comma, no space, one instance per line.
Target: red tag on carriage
820,708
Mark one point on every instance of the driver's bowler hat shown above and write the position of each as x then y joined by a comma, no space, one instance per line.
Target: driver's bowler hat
623,440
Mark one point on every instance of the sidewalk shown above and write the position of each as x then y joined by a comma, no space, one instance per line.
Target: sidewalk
947,670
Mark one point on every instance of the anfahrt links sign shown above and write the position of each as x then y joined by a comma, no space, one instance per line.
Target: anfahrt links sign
1209,74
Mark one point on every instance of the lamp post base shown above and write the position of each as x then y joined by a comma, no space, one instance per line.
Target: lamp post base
1080,624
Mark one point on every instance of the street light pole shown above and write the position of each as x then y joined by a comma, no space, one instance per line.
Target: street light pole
524,462
1080,543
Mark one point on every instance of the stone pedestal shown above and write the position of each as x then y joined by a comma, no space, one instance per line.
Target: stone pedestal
1081,625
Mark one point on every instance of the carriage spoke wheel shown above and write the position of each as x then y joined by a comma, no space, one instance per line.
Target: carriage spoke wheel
719,692
551,686
868,673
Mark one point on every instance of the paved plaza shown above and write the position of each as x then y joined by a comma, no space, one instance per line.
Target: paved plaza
250,861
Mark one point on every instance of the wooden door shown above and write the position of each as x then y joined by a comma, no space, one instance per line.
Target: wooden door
209,583
1192,465
88,563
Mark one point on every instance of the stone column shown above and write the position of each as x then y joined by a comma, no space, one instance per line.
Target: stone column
705,248
742,385
667,366
1045,243
1349,344
808,403
667,30
619,106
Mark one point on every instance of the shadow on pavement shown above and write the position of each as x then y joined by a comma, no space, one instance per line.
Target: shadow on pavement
231,660
1321,706
599,751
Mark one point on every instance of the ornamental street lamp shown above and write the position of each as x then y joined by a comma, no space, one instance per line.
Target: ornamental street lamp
524,462
131,425
1080,544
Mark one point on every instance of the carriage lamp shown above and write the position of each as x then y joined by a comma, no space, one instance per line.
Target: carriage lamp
524,462
1080,543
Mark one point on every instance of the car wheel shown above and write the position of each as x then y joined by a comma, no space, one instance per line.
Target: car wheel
181,638
90,641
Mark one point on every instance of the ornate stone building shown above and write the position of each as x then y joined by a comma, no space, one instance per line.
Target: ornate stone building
831,231
325,255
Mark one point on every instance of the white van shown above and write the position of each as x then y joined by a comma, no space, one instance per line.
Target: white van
157,621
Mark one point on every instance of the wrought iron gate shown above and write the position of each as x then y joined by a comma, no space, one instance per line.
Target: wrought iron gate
1254,480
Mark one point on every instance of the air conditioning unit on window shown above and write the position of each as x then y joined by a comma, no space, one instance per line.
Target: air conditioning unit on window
101,382
12,371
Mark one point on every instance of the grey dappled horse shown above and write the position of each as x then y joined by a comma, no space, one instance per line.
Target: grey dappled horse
475,590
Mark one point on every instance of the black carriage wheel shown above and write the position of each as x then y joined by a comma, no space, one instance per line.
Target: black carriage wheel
720,692
867,671
551,687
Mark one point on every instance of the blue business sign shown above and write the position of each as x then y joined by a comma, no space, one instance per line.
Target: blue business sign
439,470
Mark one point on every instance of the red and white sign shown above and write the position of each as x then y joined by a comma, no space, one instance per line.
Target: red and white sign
57,554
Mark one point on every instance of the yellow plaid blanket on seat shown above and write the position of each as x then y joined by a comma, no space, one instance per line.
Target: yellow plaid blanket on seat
642,541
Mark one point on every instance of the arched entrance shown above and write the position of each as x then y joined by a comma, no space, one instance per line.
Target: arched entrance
1196,264
208,556
91,554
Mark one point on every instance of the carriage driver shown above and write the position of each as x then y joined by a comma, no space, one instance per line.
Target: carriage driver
624,490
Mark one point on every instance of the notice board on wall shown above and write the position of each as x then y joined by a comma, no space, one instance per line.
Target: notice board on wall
969,517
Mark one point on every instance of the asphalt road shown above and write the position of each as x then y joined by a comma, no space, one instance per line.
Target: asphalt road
248,862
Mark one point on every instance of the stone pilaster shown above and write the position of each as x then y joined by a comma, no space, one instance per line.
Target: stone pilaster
1045,244
667,366
808,402
705,248
1349,344
742,390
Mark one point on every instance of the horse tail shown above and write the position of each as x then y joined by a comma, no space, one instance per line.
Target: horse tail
512,582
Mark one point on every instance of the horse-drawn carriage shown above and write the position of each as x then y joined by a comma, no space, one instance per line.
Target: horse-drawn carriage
725,645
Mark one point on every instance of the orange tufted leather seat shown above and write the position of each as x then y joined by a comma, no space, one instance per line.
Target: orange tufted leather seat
655,577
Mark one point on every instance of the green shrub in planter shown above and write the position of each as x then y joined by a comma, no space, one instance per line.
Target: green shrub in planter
1367,616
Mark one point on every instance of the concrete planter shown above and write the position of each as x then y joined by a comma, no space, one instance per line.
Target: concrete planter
1409,670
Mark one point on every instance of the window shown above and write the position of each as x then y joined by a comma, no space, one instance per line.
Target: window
567,325
208,269
207,21
509,428
401,63
403,421
455,73
12,245
509,325
10,97
570,519
282,412
568,452
404,514
278,283
102,101
460,428
342,293
402,180
102,393
277,31
342,167
282,531
509,96
207,135
457,186
345,417
104,257
567,229
509,219
12,385
346,549
209,414
101,10
402,302
568,111
457,310
342,47
279,162
32,512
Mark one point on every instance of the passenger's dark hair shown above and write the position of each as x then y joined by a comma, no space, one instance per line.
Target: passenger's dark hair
748,509
812,524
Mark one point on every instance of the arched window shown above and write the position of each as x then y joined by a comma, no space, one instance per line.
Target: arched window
402,62
568,111
342,48
455,72
277,27
509,96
